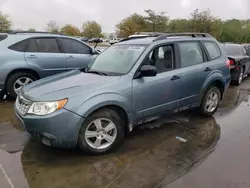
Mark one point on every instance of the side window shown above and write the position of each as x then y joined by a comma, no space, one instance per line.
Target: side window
162,58
190,53
74,47
47,45
20,46
213,49
32,46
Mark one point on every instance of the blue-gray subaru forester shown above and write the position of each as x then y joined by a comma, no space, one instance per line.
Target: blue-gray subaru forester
134,81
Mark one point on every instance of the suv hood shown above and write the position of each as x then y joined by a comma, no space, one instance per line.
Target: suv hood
64,85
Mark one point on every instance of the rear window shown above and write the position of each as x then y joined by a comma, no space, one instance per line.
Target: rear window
20,46
213,49
2,37
233,50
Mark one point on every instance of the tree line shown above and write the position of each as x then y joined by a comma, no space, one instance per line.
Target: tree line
233,30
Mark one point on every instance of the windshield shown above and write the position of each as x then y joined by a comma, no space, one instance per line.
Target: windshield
233,49
117,59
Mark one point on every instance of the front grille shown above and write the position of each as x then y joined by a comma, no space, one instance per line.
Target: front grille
22,105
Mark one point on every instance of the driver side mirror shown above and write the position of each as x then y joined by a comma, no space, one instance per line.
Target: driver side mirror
95,52
148,71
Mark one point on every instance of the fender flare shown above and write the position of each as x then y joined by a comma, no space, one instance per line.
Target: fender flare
108,99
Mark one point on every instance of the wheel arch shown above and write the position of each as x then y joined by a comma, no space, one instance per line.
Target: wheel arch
215,80
112,101
26,70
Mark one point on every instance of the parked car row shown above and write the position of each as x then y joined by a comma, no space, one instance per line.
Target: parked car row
26,57
134,81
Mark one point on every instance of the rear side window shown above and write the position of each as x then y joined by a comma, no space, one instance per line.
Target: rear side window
190,53
20,46
2,37
213,49
74,47
47,45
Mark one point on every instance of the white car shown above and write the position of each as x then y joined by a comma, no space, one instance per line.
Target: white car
114,40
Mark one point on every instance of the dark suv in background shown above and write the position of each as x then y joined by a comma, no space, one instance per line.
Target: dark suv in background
26,57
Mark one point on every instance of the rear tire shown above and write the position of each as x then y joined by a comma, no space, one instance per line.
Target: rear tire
12,82
239,79
105,117
210,101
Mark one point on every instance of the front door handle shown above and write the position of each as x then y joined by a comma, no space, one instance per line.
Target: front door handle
207,69
70,57
175,77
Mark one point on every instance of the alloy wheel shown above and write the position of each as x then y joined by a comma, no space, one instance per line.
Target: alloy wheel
100,133
240,77
20,82
212,102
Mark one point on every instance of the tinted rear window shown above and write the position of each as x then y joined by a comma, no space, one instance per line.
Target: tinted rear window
47,45
233,49
20,46
2,37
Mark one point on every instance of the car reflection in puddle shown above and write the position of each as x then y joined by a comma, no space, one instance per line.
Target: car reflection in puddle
146,158
150,156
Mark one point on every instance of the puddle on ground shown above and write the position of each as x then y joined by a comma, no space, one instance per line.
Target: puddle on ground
145,159
148,157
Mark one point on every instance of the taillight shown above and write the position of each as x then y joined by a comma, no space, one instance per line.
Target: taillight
232,62
228,63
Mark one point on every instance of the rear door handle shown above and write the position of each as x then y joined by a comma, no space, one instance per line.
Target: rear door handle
175,77
207,69
32,57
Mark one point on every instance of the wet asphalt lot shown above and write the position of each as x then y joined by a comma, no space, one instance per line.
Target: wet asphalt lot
216,154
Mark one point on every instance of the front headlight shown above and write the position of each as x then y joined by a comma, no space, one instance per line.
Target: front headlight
44,108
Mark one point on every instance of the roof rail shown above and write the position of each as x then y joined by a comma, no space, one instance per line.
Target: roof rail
149,33
166,35
17,32
140,35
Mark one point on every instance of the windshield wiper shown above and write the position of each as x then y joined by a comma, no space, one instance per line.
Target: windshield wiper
88,70
96,72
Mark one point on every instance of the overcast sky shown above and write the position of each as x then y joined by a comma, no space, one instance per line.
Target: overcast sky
37,13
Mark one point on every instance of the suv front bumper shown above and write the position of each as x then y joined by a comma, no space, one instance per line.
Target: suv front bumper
59,129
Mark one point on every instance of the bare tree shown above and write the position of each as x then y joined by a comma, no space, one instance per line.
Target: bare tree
52,27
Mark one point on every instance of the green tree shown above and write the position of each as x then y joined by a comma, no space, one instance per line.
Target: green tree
5,23
91,29
70,30
178,26
130,25
32,30
201,21
156,22
52,27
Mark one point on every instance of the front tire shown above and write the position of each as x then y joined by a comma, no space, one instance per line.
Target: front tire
17,81
101,132
210,102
